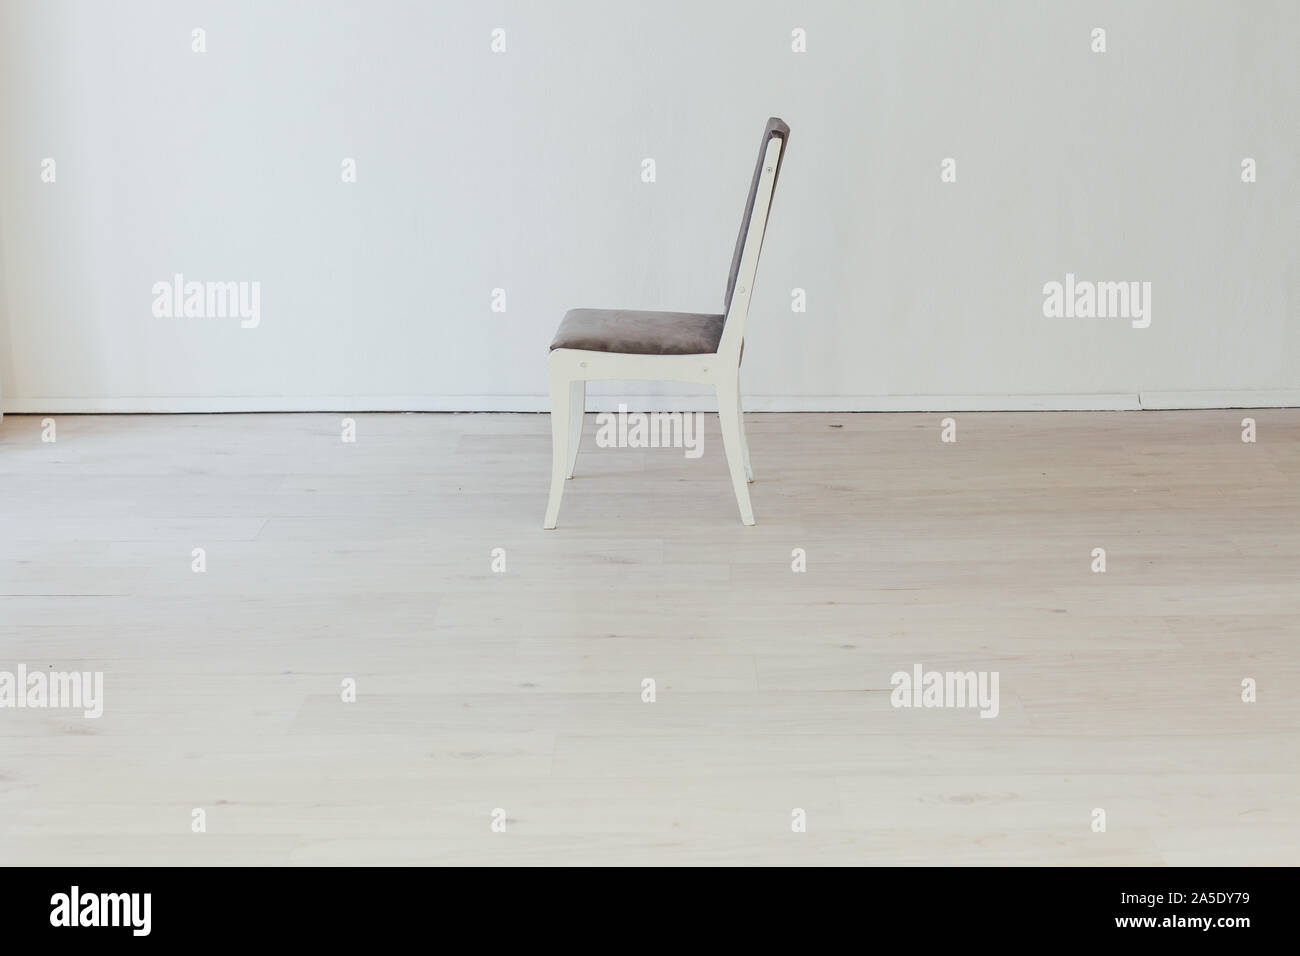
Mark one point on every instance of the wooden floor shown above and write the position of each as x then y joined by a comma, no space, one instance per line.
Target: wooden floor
522,690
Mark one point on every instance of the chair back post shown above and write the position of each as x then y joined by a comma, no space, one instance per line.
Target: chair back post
733,330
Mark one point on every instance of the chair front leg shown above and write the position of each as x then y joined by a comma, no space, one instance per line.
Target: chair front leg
560,403
577,409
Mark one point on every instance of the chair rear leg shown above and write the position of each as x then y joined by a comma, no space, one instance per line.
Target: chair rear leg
733,441
744,438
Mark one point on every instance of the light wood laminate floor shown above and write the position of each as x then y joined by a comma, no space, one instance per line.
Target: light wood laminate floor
522,690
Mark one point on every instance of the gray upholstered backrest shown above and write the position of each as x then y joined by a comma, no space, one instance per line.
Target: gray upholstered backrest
775,127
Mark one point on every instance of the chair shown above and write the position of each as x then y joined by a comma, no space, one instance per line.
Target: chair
602,344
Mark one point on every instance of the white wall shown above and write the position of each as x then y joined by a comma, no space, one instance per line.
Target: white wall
521,170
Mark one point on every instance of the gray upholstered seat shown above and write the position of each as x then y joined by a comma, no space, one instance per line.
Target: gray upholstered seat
639,333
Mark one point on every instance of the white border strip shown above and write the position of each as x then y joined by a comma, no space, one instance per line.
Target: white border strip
189,404
1276,398
1105,401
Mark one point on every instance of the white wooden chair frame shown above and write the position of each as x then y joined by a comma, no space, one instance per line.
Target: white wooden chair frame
571,369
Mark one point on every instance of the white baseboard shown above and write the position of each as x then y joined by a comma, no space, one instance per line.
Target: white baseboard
1264,398
192,404
1110,401
1106,401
